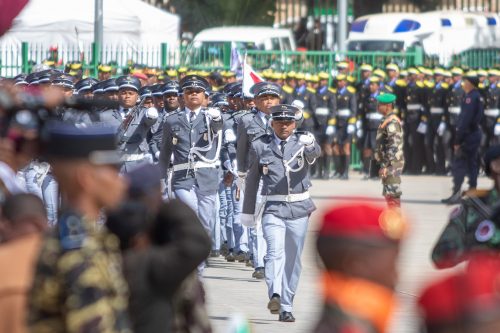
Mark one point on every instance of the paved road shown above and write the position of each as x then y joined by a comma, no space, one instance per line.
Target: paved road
231,289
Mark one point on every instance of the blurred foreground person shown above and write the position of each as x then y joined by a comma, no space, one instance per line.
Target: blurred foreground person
23,222
359,245
471,227
162,244
465,302
78,283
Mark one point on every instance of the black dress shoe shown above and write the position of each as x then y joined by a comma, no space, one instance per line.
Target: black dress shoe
287,317
454,199
274,304
259,273
230,257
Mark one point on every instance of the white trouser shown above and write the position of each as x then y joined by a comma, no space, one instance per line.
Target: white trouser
285,242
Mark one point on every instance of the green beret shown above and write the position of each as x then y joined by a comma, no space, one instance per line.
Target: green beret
386,98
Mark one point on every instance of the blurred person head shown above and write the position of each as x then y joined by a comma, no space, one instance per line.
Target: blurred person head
22,214
362,241
386,103
85,164
492,164
470,82
171,96
341,81
374,85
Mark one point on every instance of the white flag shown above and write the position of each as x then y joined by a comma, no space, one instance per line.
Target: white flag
250,77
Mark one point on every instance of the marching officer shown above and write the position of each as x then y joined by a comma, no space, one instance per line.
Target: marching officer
389,150
281,160
171,103
78,284
467,138
193,136
359,244
346,126
306,95
251,126
288,88
133,131
110,117
325,113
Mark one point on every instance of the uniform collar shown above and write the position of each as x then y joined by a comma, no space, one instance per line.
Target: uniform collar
278,140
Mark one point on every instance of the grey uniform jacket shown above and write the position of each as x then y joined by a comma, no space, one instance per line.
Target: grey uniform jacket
181,138
132,137
250,126
267,161
111,117
156,132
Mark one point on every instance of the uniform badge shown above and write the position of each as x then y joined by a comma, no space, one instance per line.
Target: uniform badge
467,100
265,169
174,140
485,231
71,232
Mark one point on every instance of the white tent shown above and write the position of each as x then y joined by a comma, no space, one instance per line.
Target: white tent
71,22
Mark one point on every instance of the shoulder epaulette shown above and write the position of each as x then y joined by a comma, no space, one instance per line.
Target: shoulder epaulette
263,136
287,89
481,85
351,89
311,90
445,85
401,83
429,84
420,84
332,90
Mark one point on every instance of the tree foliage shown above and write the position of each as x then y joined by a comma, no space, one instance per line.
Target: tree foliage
200,14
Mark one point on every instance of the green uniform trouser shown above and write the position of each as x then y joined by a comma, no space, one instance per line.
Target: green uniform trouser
392,186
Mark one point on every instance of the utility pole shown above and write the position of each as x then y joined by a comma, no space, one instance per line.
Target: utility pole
342,27
98,32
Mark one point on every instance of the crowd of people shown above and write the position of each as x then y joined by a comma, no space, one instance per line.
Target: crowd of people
145,175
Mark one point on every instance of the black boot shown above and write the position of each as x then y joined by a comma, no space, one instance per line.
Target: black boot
454,198
347,162
366,168
336,166
327,169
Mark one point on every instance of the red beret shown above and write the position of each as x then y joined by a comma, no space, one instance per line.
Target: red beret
364,221
440,302
140,75
471,294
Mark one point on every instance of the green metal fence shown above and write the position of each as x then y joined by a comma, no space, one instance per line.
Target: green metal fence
14,60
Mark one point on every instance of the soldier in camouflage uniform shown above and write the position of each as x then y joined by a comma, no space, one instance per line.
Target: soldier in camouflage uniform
469,228
389,152
78,284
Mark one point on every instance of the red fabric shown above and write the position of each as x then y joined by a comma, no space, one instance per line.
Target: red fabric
355,220
9,9
140,76
440,302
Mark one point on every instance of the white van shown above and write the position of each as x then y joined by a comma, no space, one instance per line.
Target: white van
439,33
213,43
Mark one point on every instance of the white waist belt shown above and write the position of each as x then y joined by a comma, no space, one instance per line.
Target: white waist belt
289,198
344,113
132,157
322,111
491,112
374,116
195,165
414,107
436,110
454,110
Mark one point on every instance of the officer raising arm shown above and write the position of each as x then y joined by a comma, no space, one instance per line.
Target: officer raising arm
78,285
282,160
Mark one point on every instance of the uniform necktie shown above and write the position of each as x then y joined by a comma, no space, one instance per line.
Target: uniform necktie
192,115
282,145
125,113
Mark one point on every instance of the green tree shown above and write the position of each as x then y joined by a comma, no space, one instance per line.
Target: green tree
200,14
364,7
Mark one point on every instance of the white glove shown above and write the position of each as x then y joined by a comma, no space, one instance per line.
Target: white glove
229,135
441,128
240,182
496,131
157,155
299,115
359,124
298,104
307,139
213,113
351,128
152,113
330,130
422,127
227,165
359,133
247,220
